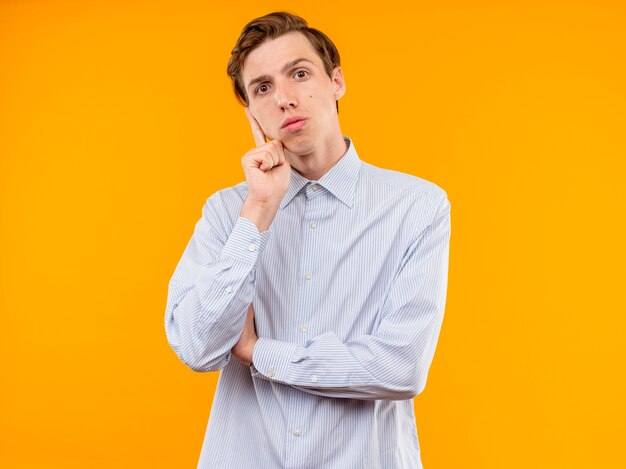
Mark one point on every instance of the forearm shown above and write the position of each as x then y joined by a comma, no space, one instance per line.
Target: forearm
207,301
205,322
368,368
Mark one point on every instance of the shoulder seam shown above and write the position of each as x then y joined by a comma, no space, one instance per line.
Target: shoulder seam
432,199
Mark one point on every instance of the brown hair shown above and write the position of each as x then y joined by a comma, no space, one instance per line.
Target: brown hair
269,27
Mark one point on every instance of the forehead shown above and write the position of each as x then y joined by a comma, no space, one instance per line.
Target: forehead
270,56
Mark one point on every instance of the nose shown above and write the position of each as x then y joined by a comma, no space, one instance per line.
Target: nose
285,97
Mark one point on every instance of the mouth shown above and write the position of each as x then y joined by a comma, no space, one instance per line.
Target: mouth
294,123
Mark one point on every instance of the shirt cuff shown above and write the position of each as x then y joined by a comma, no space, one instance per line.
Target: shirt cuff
245,242
272,358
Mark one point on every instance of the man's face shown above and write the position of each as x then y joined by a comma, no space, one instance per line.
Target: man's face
285,79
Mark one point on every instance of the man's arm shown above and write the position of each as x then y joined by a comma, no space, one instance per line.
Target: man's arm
393,361
212,287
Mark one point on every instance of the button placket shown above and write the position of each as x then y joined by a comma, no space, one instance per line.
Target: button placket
314,208
302,325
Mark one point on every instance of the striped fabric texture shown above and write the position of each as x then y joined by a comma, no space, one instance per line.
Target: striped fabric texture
348,287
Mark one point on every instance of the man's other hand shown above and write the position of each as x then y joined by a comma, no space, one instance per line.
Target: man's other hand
243,349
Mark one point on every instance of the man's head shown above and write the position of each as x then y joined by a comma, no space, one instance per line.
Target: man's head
283,70
269,27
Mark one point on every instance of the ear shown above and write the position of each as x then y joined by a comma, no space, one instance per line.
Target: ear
339,84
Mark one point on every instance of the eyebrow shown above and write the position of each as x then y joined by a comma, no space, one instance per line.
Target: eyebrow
286,67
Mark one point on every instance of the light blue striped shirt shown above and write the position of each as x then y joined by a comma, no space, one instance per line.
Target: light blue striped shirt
348,287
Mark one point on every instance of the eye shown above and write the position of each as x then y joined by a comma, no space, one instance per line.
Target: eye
261,89
301,74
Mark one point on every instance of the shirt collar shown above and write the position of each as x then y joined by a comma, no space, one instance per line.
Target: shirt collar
340,180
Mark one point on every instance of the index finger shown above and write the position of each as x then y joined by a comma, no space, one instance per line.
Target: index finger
257,132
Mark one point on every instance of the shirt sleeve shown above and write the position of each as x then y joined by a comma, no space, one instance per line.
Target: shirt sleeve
393,361
211,288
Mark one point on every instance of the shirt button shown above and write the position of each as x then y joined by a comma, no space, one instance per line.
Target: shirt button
313,225
304,328
271,373
251,248
297,432
314,379
229,290
308,276
315,187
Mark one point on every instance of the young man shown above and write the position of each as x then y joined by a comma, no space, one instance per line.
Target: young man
318,286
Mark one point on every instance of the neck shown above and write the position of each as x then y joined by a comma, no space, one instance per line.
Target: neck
317,163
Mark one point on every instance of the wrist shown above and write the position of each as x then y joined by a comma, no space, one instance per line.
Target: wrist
260,213
247,354
249,357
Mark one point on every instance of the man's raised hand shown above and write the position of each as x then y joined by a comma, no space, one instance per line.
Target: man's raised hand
267,173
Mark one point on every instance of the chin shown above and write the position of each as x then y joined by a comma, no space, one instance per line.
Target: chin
298,145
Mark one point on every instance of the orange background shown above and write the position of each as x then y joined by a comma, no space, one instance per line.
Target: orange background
117,121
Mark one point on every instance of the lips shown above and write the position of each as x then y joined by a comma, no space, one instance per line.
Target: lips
293,123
